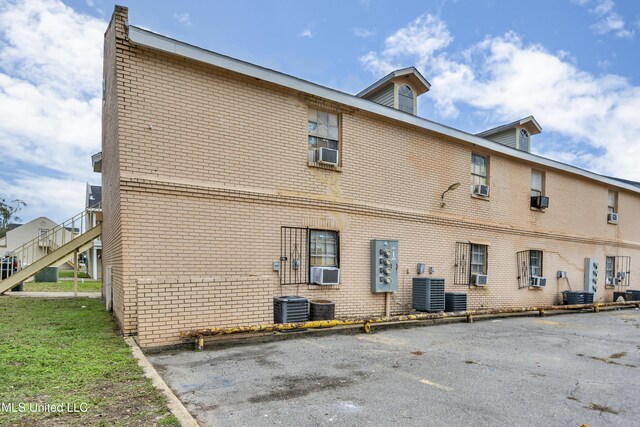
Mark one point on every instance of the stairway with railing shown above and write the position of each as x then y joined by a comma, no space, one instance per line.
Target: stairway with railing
53,246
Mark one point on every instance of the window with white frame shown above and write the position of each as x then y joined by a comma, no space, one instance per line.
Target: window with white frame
323,132
323,248
523,140
612,205
535,263
610,270
537,183
478,259
405,99
479,170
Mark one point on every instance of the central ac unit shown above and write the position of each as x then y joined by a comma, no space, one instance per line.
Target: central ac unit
539,202
538,282
328,156
612,218
428,294
479,279
325,275
481,190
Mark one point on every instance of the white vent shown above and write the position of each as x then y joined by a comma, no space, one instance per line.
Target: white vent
538,282
481,190
612,218
479,279
325,275
328,156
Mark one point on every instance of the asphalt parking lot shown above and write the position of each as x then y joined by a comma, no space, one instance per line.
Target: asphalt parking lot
562,370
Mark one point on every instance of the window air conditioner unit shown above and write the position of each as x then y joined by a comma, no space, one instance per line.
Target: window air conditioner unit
538,282
612,218
325,275
481,190
479,279
539,202
327,156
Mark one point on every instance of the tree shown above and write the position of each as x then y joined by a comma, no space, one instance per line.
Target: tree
8,212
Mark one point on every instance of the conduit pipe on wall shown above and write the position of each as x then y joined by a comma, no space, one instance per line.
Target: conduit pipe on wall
366,322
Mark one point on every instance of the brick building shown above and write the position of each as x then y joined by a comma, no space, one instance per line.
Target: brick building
226,184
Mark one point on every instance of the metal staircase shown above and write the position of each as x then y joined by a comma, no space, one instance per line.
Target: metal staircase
55,247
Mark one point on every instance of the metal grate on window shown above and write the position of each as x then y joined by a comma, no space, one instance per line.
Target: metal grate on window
523,260
294,256
622,270
462,266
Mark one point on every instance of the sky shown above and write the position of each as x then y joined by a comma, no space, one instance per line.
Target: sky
572,64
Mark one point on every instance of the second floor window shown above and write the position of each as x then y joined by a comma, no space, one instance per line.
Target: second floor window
479,170
537,179
323,132
613,202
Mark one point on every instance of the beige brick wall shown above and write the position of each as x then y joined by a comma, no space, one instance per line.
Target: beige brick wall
212,164
112,212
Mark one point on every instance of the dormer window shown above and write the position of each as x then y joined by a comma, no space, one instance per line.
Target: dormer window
405,99
523,140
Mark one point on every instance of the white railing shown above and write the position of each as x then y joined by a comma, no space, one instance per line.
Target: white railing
47,242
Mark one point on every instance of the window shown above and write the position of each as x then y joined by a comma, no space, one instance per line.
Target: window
523,140
478,259
470,258
479,167
610,271
323,248
613,201
535,263
302,248
323,132
537,183
405,99
529,265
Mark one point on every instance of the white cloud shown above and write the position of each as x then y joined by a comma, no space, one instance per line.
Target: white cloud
363,32
612,23
609,21
504,79
421,38
603,7
182,18
307,32
50,99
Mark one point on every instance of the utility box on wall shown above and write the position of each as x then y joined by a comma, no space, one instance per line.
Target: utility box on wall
384,265
590,274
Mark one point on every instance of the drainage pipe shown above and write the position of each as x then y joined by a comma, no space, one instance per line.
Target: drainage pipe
366,322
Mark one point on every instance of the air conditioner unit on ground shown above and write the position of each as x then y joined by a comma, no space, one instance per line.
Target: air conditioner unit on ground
612,218
539,202
538,281
428,294
481,190
479,279
327,156
325,275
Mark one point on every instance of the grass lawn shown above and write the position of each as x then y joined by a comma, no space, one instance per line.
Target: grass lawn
68,273
63,286
66,351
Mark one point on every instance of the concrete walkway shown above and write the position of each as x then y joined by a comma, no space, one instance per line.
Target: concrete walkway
54,294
